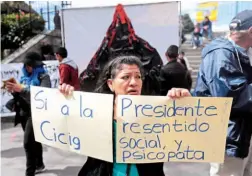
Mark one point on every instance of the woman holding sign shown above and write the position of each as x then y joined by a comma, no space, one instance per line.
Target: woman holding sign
34,74
123,75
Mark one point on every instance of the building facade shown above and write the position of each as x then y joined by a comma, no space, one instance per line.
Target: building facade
227,10
221,12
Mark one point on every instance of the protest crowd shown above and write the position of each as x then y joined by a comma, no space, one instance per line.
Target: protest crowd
225,71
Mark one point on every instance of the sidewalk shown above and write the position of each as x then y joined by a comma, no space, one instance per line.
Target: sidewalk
61,163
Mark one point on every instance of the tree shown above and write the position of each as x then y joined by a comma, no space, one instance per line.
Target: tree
8,7
187,24
18,25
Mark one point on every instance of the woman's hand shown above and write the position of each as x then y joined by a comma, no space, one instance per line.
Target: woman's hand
14,87
178,93
66,89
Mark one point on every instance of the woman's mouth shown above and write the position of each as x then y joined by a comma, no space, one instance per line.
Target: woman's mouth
133,92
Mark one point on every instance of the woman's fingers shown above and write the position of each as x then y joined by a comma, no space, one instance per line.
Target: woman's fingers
185,93
71,90
66,89
178,93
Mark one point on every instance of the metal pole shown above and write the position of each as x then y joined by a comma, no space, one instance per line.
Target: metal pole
48,16
18,16
236,7
62,29
180,25
30,16
41,12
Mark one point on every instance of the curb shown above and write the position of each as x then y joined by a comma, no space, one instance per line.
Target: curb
7,119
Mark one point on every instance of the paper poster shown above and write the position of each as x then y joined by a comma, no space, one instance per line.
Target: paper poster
157,129
81,123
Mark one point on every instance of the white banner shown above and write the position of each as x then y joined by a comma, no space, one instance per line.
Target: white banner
157,23
15,70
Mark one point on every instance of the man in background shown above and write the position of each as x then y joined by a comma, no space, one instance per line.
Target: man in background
56,20
67,68
47,52
187,64
173,74
206,28
226,71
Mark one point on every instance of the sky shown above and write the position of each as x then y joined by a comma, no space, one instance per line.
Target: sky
186,5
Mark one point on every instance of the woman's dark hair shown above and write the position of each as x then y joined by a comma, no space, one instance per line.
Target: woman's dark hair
111,68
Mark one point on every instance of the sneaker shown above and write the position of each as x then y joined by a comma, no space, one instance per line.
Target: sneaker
40,169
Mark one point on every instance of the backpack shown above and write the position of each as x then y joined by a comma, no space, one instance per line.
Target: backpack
121,38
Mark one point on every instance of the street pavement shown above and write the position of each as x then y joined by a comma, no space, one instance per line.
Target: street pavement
62,163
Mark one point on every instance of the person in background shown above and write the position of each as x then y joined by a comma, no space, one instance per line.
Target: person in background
173,74
197,37
34,75
123,75
186,63
68,69
47,52
56,20
206,28
226,71
181,32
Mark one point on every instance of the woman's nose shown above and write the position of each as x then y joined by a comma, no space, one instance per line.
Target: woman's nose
133,82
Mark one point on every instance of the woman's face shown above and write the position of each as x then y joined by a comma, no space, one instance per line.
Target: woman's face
127,81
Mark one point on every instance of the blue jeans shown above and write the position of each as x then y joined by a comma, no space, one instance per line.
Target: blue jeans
196,40
208,32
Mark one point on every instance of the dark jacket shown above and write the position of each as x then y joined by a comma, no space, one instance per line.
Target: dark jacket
21,103
95,167
56,20
220,75
173,74
206,23
183,62
69,73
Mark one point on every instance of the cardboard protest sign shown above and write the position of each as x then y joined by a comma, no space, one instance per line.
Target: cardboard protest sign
81,123
156,129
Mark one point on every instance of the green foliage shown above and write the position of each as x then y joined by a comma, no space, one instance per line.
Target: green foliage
187,23
15,31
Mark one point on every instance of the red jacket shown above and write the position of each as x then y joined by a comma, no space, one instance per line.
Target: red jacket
69,73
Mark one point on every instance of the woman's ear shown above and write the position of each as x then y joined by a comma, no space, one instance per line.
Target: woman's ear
250,31
110,84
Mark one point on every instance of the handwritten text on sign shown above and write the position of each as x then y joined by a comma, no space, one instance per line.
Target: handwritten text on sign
80,124
155,129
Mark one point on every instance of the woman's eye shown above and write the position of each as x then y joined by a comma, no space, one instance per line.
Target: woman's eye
125,77
138,77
